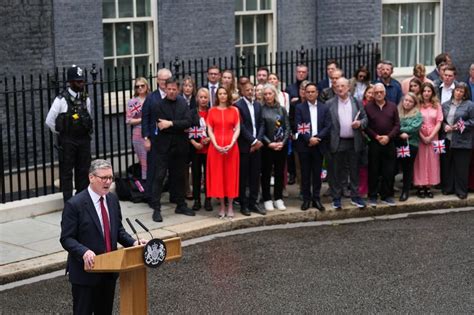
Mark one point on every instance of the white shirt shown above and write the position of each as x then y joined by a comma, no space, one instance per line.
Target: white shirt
95,200
212,93
284,100
446,92
313,111
162,93
344,111
60,106
252,116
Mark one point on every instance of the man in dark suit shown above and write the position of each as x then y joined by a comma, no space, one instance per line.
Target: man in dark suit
149,128
91,225
313,122
293,90
250,142
325,83
213,78
173,117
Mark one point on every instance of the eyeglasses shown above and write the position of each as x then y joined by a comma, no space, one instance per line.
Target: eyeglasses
105,179
378,92
140,86
213,73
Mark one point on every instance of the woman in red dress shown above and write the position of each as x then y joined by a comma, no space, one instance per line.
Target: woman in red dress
222,172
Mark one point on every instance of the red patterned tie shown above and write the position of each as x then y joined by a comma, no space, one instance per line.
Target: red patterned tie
105,220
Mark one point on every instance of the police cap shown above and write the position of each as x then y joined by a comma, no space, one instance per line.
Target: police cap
75,73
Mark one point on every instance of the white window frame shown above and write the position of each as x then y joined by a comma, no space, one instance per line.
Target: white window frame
437,46
271,27
113,106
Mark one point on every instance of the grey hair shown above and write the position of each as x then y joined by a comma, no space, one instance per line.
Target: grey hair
380,85
164,72
99,164
274,90
343,80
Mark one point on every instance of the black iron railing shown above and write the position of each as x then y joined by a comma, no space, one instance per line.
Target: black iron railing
28,157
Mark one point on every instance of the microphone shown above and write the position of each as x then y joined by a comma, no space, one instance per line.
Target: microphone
133,229
144,227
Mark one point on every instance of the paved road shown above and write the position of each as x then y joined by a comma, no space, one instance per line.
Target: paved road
418,265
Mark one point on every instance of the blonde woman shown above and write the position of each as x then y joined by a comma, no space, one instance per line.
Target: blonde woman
134,119
410,124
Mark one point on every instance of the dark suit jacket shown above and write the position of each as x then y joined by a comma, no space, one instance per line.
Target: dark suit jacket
323,84
179,113
302,115
246,137
81,230
359,141
192,101
149,113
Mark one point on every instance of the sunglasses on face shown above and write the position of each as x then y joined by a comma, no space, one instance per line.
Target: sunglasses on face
139,86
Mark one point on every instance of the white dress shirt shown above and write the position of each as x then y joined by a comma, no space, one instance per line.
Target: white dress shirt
344,111
95,200
313,111
252,116
446,92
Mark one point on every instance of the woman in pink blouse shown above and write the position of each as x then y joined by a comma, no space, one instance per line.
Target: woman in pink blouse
134,119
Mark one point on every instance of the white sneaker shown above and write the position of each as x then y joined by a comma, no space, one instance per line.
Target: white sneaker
280,205
268,205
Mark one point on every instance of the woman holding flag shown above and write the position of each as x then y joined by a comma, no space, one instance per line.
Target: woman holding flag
427,169
407,142
458,131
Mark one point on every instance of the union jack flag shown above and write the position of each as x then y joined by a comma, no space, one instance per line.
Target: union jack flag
195,132
439,146
403,151
135,108
304,128
461,125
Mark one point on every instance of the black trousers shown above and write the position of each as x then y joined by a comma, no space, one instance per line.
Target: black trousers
311,165
74,154
250,167
151,168
455,170
97,299
198,167
173,161
382,159
407,168
273,160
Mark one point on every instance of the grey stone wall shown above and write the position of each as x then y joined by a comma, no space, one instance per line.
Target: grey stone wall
296,24
344,22
195,29
458,38
26,37
78,35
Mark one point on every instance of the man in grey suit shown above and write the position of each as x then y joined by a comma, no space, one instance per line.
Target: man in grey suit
346,142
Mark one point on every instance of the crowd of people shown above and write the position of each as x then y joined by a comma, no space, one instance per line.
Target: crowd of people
238,140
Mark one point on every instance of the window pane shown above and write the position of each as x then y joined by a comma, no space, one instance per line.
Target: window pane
239,5
248,29
108,67
108,9
390,49
250,5
409,19
265,4
108,40
408,51
390,19
262,52
237,30
141,66
427,17
427,50
122,33
125,8
261,28
143,8
140,38
123,65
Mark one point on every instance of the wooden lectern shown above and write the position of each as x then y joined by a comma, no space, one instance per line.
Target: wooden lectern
133,274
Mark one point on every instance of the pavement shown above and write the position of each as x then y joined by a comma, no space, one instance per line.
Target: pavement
29,245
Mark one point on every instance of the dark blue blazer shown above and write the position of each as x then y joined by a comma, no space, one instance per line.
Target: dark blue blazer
302,115
293,90
246,137
323,84
150,115
81,230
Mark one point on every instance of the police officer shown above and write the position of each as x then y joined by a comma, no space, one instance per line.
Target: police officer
70,118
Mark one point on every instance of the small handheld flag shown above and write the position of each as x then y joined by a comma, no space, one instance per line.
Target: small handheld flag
304,128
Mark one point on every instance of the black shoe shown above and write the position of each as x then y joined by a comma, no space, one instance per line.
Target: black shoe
291,180
208,204
256,208
318,205
305,205
461,196
420,193
185,210
197,205
245,212
157,216
404,196
444,192
428,193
